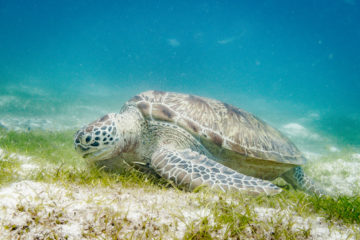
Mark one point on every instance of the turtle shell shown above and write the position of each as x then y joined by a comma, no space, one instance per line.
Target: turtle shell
221,124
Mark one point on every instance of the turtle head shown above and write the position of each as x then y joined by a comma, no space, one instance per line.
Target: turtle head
97,141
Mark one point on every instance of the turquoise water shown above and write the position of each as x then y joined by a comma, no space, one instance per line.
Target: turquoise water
295,64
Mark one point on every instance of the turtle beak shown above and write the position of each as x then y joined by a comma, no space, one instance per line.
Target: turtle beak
101,154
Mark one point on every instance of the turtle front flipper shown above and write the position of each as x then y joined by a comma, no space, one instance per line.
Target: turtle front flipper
297,178
192,169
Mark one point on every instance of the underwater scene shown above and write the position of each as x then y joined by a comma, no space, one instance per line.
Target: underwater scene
294,65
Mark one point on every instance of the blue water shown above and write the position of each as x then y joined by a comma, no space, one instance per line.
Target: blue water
63,63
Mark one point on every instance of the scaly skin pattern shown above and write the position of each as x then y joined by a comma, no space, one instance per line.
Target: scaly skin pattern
97,135
191,169
225,125
297,178
110,136
172,150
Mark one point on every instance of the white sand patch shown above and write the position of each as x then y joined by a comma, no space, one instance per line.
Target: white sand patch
339,176
28,168
333,149
320,229
74,211
22,158
312,156
2,154
24,123
355,156
27,164
32,210
297,130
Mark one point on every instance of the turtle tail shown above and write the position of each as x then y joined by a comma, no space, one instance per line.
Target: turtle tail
297,178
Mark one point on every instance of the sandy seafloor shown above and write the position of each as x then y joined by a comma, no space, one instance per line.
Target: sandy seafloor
23,108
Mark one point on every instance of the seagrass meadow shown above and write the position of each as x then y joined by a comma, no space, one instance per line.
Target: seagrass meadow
48,191
63,64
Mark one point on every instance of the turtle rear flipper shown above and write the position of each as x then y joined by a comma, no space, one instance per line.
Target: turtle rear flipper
297,178
192,169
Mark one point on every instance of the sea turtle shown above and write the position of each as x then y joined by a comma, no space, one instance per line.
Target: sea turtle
195,141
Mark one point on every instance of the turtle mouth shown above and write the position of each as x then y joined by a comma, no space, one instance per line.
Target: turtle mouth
98,155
